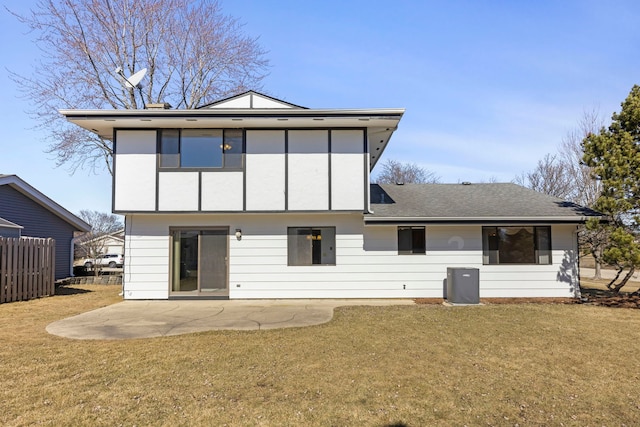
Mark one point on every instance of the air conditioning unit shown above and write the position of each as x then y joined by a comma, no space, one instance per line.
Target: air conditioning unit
463,285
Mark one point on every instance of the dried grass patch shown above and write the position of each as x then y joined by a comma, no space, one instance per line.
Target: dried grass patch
502,364
432,301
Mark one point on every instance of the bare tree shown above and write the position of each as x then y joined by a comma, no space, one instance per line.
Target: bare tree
586,188
194,55
396,172
550,176
491,180
565,175
101,224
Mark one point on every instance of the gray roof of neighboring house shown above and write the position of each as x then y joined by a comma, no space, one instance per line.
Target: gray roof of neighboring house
20,185
88,237
480,203
8,224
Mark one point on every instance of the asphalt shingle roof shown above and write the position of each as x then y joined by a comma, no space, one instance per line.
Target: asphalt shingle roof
464,202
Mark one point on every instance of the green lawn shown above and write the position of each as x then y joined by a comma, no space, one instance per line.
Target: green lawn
504,364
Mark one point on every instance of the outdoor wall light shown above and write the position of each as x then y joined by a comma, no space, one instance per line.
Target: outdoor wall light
238,234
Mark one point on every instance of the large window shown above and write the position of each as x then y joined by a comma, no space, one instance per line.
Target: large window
411,240
516,245
311,246
201,148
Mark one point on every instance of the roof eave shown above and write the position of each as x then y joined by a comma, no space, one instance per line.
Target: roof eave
380,123
235,112
478,220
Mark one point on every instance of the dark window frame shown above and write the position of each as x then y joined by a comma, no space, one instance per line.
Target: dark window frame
412,240
320,250
497,250
232,149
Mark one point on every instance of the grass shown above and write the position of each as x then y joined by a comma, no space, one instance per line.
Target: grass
520,364
601,284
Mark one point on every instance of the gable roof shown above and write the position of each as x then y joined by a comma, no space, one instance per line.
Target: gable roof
117,236
8,224
251,99
21,186
471,203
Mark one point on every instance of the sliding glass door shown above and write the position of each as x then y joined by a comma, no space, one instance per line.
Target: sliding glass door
199,261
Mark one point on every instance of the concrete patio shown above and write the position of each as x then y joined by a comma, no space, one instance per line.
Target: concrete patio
147,319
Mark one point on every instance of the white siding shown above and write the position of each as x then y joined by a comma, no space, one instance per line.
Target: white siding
146,269
265,170
222,191
367,262
178,191
347,170
241,102
262,102
251,100
461,246
559,279
135,171
347,182
308,170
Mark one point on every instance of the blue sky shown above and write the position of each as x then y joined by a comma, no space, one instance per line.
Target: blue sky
489,87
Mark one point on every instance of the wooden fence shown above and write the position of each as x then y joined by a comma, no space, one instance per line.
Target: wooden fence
27,268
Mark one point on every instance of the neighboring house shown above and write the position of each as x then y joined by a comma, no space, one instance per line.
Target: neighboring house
36,215
9,229
253,197
112,243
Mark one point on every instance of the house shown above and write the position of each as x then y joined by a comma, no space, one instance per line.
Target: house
254,197
110,243
9,229
26,212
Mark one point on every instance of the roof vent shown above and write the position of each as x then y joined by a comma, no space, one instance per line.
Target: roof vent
161,106
466,183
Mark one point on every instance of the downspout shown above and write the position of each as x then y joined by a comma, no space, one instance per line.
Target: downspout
128,223
576,246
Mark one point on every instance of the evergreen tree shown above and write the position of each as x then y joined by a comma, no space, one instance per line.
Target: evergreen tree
614,155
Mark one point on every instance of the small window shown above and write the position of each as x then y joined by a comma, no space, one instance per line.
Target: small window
411,240
232,148
170,148
516,245
311,246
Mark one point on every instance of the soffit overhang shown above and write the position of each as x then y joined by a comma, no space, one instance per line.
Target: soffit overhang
380,123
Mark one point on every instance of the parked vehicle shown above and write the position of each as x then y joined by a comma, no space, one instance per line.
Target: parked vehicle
106,260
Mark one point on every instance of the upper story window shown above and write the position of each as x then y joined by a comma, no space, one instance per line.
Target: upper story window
516,245
201,148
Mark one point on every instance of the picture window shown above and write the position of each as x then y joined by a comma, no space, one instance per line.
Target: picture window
201,148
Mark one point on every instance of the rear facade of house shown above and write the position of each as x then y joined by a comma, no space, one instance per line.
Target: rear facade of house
253,197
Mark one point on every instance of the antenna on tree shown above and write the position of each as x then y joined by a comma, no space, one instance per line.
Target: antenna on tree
133,81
